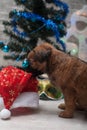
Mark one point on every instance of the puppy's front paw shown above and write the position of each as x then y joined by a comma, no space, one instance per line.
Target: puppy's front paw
65,114
61,106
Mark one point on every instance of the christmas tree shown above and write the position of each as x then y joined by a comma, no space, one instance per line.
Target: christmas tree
35,20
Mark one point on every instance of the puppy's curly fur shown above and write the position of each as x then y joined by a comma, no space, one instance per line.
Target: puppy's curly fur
64,71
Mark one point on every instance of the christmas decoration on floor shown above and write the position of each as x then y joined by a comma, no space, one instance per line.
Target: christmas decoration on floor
46,90
32,23
17,89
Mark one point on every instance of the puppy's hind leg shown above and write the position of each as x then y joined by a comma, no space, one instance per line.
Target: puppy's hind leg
69,97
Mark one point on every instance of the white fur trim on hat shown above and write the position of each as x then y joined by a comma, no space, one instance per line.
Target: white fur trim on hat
27,99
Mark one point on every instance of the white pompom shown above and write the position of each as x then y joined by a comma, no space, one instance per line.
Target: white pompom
5,114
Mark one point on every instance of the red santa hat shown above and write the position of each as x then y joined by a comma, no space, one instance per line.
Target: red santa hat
14,82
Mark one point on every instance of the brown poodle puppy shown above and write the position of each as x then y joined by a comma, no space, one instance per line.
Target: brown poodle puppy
64,71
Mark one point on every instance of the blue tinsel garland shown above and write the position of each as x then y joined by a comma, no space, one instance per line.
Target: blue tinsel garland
63,6
48,23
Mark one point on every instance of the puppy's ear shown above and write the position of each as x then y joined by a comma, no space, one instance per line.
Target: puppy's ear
42,55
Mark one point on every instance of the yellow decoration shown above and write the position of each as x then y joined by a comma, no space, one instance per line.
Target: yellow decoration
47,91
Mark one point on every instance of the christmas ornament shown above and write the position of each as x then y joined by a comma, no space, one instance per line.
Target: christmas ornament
5,48
17,89
74,52
25,63
47,91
